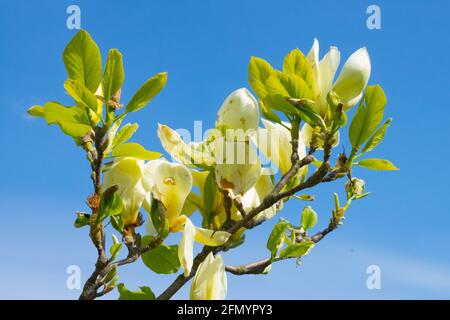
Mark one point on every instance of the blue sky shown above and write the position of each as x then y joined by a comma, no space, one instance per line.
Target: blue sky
403,226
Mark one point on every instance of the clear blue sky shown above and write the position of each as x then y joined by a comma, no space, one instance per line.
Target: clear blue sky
403,226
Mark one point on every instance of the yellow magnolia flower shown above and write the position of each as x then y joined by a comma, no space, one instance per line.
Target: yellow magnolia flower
127,174
239,111
274,141
351,81
255,196
188,154
238,166
210,281
171,183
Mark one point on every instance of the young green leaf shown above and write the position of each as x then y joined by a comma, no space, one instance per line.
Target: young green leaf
113,75
73,121
36,111
210,191
83,60
377,137
147,92
268,113
81,94
368,116
309,218
144,293
115,248
125,133
276,237
377,164
162,259
296,250
259,70
296,63
134,150
110,204
82,220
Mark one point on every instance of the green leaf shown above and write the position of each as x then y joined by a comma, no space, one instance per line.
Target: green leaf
113,75
377,164
296,63
147,91
282,86
115,248
73,121
377,137
144,293
259,71
117,222
134,150
160,221
81,94
276,237
36,111
82,220
110,204
83,60
309,218
268,113
210,191
297,250
125,133
162,259
368,115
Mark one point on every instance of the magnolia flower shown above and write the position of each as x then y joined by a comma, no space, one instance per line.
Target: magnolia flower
239,111
171,183
238,166
188,154
351,81
255,196
127,174
210,281
274,141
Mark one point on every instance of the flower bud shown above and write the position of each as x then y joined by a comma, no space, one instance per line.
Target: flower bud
210,281
355,187
239,111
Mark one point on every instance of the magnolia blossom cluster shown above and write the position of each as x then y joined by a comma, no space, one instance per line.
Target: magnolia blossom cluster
173,183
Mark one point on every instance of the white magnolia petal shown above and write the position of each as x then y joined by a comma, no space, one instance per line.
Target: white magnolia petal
327,68
275,144
313,58
353,77
256,195
239,111
186,247
172,183
211,237
238,166
188,154
126,173
210,281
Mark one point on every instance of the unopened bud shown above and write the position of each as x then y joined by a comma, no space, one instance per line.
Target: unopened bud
355,187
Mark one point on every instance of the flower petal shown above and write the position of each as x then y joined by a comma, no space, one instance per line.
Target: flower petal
171,183
188,154
211,237
239,111
353,78
327,68
186,247
210,281
126,173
